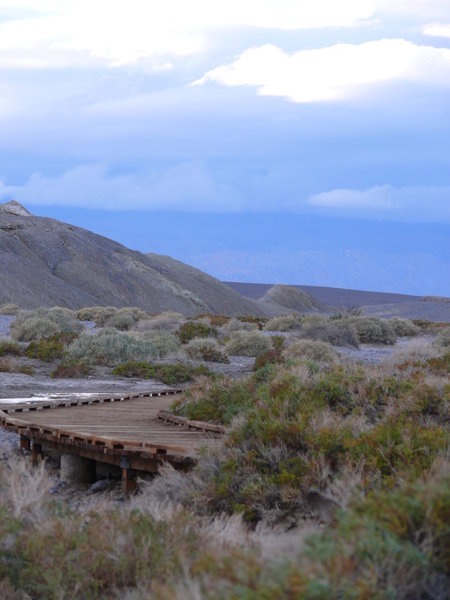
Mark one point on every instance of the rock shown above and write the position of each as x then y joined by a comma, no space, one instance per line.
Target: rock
103,485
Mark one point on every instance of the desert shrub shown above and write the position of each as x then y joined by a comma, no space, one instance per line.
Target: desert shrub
167,321
165,344
404,327
206,349
283,323
98,314
109,347
372,330
194,329
237,325
258,321
125,318
50,348
312,350
217,401
120,321
9,309
248,343
271,357
10,348
443,339
218,320
168,374
7,365
44,322
71,368
335,332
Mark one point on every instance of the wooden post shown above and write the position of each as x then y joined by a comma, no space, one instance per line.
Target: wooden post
36,453
24,442
129,483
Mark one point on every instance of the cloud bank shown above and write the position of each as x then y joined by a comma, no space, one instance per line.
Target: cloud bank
334,73
193,187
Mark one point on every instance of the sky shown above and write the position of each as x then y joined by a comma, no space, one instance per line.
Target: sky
275,141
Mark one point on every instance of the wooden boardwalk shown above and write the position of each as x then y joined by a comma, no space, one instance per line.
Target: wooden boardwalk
133,432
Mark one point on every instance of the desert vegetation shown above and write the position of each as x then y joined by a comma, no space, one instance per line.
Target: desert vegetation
332,480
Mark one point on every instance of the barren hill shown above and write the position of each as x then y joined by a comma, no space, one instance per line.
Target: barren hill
44,262
293,298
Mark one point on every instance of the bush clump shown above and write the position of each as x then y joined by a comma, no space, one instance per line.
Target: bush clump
43,323
109,347
165,344
236,325
283,323
168,374
374,331
98,314
7,365
50,348
207,349
310,350
125,318
195,329
9,309
72,368
167,321
338,332
248,343
7,347
443,339
404,327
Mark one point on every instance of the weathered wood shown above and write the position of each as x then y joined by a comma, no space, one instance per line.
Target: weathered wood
137,427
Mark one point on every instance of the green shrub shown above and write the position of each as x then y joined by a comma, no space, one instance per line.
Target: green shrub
372,330
258,321
283,323
98,314
167,321
206,349
248,343
10,348
120,321
44,322
404,327
335,332
312,350
193,329
168,374
72,368
270,357
443,339
237,325
11,366
9,309
165,344
109,347
125,318
50,348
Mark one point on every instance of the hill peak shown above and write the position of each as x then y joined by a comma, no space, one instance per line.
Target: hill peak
14,208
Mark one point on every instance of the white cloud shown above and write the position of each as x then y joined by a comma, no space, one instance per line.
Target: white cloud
418,9
185,186
333,73
437,30
415,203
118,32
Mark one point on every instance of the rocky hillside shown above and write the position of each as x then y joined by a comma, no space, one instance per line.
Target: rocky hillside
44,262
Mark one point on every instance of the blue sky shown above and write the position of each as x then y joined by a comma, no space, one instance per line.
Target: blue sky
271,141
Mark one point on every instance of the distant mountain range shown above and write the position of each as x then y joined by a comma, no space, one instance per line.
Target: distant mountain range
45,262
